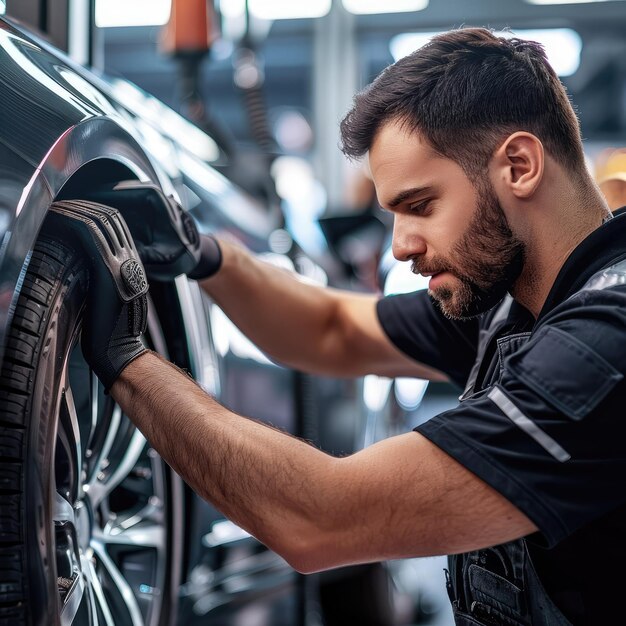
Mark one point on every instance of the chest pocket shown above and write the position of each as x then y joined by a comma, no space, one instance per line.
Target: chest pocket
564,371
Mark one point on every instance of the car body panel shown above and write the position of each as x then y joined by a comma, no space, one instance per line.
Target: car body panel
47,132
55,118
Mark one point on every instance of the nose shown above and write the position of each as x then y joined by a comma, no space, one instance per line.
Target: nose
407,242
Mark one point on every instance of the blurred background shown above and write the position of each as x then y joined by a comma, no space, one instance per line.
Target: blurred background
264,84
307,59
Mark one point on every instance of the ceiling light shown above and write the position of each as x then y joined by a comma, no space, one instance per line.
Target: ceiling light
368,7
405,43
563,45
565,1
136,13
232,8
276,9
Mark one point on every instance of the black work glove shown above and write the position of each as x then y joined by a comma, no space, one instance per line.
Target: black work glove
165,234
117,308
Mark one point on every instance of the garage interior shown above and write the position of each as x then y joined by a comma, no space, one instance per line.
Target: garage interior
255,102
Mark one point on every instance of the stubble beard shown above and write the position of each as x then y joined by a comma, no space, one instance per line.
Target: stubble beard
486,261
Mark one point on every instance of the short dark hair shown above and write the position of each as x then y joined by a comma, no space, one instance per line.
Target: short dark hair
465,91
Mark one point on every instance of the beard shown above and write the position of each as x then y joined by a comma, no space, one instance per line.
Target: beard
488,259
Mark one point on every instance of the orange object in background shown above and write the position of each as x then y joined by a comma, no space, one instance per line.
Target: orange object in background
192,28
610,172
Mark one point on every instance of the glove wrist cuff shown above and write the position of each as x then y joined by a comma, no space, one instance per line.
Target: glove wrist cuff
109,367
210,258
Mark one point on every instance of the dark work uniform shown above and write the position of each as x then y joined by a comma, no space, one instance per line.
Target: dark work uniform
543,421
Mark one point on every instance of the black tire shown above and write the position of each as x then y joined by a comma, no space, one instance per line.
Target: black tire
52,450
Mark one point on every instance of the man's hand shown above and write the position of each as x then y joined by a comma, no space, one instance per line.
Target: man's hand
116,312
166,236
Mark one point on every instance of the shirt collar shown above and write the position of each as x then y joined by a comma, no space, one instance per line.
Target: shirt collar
603,247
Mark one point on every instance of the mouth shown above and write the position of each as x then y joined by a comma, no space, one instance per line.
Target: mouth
436,279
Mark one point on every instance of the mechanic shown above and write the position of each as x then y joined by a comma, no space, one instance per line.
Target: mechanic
475,148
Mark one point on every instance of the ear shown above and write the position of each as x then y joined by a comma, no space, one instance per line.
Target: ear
517,165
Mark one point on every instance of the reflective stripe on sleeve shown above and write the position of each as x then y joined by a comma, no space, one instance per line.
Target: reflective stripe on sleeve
504,403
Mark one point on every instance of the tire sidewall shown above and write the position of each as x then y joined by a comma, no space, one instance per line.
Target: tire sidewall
60,326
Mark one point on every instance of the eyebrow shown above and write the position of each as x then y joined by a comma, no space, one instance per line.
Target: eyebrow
407,193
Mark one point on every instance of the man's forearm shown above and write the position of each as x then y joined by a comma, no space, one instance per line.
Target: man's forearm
296,323
400,497
246,469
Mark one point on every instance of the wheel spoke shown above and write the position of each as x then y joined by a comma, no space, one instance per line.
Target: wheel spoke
119,583
98,489
72,601
102,455
93,396
94,619
98,592
143,536
91,417
69,435
143,529
62,510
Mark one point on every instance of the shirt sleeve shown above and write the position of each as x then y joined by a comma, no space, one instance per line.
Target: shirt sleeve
549,433
416,326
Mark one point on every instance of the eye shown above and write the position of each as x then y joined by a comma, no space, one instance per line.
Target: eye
420,208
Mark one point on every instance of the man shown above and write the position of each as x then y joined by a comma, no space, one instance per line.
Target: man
475,149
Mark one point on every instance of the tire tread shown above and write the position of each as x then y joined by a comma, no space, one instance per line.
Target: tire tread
47,266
